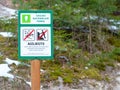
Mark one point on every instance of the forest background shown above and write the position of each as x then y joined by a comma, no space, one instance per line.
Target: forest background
86,37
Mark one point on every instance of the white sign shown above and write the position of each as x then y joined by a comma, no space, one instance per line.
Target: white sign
35,41
35,34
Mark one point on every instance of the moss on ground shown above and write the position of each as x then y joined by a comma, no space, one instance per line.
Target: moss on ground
116,53
114,41
80,65
7,48
69,73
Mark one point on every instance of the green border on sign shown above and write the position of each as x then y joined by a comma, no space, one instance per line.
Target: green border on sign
35,25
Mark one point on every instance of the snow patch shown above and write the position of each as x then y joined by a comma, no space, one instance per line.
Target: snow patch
118,79
42,71
4,71
9,61
117,87
6,12
91,18
118,22
6,34
11,11
118,73
29,83
113,27
4,68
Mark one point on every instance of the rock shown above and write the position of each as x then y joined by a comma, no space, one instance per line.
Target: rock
63,60
118,73
12,66
7,3
117,87
109,68
118,79
15,84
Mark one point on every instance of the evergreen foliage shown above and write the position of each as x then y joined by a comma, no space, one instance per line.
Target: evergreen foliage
81,36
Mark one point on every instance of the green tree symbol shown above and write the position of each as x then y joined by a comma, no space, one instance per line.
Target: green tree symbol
26,19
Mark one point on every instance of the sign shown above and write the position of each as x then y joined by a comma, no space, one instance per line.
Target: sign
35,34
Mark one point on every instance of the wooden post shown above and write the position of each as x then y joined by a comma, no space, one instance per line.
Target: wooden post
35,75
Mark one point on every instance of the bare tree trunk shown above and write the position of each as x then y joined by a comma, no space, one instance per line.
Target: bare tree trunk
90,38
90,35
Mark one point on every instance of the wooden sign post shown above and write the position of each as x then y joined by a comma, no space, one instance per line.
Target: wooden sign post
35,40
35,75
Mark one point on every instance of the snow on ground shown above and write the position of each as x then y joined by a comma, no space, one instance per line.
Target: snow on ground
6,12
112,27
9,61
4,71
118,79
6,34
29,83
118,22
4,68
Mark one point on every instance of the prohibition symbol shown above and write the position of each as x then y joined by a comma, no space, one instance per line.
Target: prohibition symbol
42,34
29,35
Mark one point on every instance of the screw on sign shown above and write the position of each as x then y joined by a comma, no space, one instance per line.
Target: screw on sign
42,34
